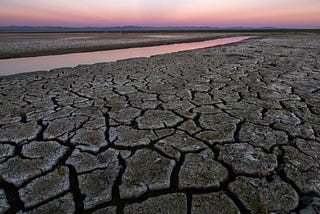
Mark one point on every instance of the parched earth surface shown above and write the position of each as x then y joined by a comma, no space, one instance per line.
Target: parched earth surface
229,129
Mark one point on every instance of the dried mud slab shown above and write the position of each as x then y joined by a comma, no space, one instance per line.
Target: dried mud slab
260,196
172,203
213,203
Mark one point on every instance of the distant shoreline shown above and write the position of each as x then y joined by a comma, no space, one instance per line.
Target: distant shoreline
136,28
4,29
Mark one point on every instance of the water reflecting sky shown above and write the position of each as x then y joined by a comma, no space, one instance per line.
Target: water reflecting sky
29,64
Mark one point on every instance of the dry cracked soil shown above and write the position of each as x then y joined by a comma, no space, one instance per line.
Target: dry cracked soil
228,129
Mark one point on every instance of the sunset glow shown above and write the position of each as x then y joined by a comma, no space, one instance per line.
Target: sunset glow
228,13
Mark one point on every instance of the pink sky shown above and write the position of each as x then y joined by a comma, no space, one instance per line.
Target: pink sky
226,13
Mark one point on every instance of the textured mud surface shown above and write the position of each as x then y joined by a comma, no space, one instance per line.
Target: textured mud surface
230,129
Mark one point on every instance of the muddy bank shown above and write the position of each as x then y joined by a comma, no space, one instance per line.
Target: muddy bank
234,128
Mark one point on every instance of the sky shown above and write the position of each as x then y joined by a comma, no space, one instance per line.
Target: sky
214,13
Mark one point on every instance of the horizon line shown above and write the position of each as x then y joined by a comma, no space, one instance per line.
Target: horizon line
154,26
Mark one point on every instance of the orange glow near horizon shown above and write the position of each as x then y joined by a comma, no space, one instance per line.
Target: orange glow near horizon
287,13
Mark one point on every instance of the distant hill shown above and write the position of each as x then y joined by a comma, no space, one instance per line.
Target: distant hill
118,28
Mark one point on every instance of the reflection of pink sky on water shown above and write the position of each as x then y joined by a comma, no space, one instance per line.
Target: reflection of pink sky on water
22,65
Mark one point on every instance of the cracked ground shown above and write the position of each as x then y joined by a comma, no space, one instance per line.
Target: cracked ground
228,129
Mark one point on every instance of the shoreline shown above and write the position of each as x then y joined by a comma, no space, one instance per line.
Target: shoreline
46,63
38,51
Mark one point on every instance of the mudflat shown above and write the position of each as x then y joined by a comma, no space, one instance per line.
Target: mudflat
228,129
13,45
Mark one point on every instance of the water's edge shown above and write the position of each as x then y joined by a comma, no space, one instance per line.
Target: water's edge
31,64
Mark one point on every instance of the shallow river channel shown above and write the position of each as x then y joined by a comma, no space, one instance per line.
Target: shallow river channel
29,64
